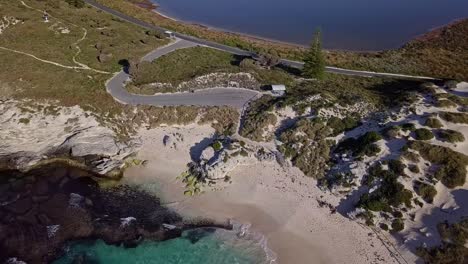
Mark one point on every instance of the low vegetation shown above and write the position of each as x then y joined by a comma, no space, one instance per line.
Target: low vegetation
426,191
445,103
459,118
183,65
339,125
423,134
453,248
451,136
433,122
258,118
362,146
451,169
390,194
306,145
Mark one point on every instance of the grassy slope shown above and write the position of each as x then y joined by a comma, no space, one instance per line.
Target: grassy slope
187,64
434,56
25,77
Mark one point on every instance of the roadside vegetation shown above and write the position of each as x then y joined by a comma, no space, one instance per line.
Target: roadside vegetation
258,118
439,53
167,72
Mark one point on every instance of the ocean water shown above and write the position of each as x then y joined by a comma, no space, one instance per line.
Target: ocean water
207,246
346,24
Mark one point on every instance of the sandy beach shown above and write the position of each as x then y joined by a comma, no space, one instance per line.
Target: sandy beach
279,202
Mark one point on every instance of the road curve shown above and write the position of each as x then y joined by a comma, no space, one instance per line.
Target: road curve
211,44
234,97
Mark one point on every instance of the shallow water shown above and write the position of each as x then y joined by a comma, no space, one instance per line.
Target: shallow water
208,246
354,25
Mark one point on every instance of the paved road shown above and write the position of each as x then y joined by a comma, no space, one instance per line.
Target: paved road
235,97
290,63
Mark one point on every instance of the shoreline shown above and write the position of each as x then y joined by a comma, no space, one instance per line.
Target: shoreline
280,203
273,41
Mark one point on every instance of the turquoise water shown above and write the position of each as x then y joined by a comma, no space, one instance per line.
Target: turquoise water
207,246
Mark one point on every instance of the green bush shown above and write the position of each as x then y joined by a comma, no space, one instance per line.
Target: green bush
451,136
362,146
452,250
392,132
426,191
384,226
414,168
342,125
408,127
390,192
433,123
423,134
217,145
452,165
397,225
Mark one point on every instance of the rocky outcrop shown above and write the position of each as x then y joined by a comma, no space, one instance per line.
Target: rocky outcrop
31,133
224,155
42,209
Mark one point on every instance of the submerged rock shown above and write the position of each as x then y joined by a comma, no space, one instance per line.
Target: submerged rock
35,230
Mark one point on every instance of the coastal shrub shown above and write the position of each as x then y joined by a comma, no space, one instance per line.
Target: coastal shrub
411,156
390,192
459,118
391,132
414,168
426,191
453,249
217,145
342,125
396,166
397,225
452,165
306,145
445,103
258,118
408,127
423,134
362,146
76,3
384,226
433,122
451,136
223,119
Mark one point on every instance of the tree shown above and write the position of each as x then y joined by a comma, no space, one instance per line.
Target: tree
314,66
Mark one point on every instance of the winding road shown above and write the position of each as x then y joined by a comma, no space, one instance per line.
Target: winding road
234,97
211,44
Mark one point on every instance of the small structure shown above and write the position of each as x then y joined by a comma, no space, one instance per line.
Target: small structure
45,17
278,89
169,34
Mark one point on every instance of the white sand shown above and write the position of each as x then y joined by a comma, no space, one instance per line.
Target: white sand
280,203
